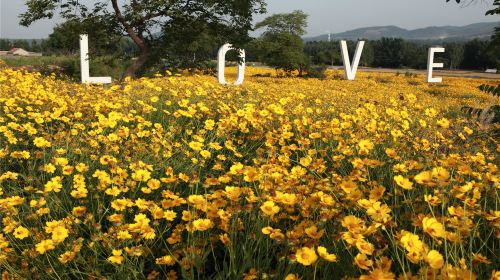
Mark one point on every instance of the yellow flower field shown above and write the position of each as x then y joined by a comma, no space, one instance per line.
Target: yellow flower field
281,178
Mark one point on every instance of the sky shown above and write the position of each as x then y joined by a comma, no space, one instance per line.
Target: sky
324,15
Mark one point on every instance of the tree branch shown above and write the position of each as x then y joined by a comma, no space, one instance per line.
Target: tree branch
137,38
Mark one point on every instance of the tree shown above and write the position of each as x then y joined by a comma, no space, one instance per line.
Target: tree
454,54
65,37
320,52
493,50
23,44
139,20
494,11
294,23
4,44
283,51
281,46
389,52
476,55
197,43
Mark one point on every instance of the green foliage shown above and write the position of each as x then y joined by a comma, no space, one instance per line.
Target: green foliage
293,23
141,20
476,55
317,71
490,114
494,47
454,55
323,52
495,10
65,39
68,66
27,44
191,48
398,53
495,91
283,51
395,53
281,46
487,115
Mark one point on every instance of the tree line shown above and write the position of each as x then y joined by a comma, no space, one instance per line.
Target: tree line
398,53
153,35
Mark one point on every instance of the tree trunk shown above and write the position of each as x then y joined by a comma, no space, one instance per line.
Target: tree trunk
137,64
138,40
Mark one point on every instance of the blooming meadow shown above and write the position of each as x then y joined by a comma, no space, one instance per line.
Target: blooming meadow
282,178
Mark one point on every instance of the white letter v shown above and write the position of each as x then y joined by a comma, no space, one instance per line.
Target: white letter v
350,72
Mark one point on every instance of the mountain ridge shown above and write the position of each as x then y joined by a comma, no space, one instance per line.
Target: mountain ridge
481,30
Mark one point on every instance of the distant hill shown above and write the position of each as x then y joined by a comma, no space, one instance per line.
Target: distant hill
482,30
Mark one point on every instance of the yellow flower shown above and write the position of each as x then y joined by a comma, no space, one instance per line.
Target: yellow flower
403,182
353,224
49,168
306,256
195,145
117,257
444,123
66,257
124,235
365,146
169,215
59,234
20,154
286,198
40,142
468,130
435,259
166,260
53,185
202,224
184,177
292,277
379,212
378,274
313,232
431,112
141,175
44,246
442,175
209,124
205,154
21,232
365,247
363,262
154,184
269,208
412,243
424,178
391,153
323,253
480,258
433,227
61,161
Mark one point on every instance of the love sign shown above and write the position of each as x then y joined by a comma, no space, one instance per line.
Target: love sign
221,65
85,65
350,69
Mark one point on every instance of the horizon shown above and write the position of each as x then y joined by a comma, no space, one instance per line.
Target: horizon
323,18
306,36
